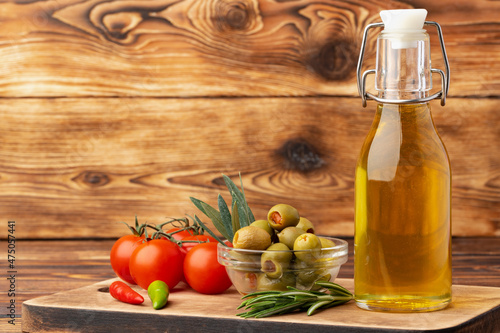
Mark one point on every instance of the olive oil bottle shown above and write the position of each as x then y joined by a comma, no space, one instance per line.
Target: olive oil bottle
403,178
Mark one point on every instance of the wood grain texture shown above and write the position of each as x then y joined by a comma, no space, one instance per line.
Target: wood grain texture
75,167
223,47
473,310
145,126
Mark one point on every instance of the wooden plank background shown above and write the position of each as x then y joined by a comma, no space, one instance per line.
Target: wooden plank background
111,109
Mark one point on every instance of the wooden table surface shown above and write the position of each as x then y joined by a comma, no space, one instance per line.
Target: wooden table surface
46,267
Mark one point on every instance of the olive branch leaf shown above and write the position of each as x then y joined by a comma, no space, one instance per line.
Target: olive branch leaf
225,221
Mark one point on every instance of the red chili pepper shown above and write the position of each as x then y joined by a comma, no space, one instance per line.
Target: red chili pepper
124,293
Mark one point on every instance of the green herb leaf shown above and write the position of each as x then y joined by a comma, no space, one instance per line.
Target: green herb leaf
246,215
226,218
198,203
214,215
210,232
281,309
226,222
337,288
235,218
242,214
268,303
315,306
251,218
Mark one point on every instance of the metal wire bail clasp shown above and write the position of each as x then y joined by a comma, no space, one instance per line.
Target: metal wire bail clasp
445,78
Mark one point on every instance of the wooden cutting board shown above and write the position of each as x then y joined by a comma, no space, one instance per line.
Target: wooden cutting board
92,309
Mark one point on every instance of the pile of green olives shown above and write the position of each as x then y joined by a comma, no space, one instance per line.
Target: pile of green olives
290,252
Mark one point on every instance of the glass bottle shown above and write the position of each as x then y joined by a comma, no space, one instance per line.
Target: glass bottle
403,180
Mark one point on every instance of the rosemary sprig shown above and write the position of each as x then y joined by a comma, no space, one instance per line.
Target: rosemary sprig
269,303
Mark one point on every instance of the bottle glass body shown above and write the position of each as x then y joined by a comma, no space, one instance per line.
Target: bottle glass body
402,213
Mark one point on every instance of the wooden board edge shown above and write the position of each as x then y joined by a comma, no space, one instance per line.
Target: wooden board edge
42,318
487,322
35,319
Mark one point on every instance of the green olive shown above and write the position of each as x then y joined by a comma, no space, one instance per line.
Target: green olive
279,252
252,238
266,283
282,216
307,274
288,235
306,225
272,268
309,242
325,242
245,282
327,250
263,224
245,260
275,260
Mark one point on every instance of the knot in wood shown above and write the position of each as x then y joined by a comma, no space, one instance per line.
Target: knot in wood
118,25
233,15
300,155
92,178
335,60
494,183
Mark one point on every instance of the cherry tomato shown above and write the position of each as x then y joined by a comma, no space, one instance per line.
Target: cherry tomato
120,255
203,272
157,259
187,234
181,234
187,246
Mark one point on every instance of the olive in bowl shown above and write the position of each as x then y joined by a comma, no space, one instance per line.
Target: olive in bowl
278,267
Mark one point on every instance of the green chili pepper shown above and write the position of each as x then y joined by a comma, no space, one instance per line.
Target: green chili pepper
158,293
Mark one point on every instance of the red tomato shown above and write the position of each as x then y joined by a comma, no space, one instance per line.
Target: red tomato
186,247
203,272
157,259
120,256
181,234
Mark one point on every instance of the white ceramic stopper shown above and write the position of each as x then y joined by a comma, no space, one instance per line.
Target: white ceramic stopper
403,22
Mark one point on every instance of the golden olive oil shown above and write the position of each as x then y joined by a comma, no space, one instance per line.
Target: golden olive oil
402,238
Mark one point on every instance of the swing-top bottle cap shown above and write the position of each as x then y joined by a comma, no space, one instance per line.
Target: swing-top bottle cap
402,23
403,42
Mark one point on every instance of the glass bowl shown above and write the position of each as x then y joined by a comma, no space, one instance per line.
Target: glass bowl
251,270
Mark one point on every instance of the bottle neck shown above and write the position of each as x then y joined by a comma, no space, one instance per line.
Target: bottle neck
410,120
403,65
402,95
